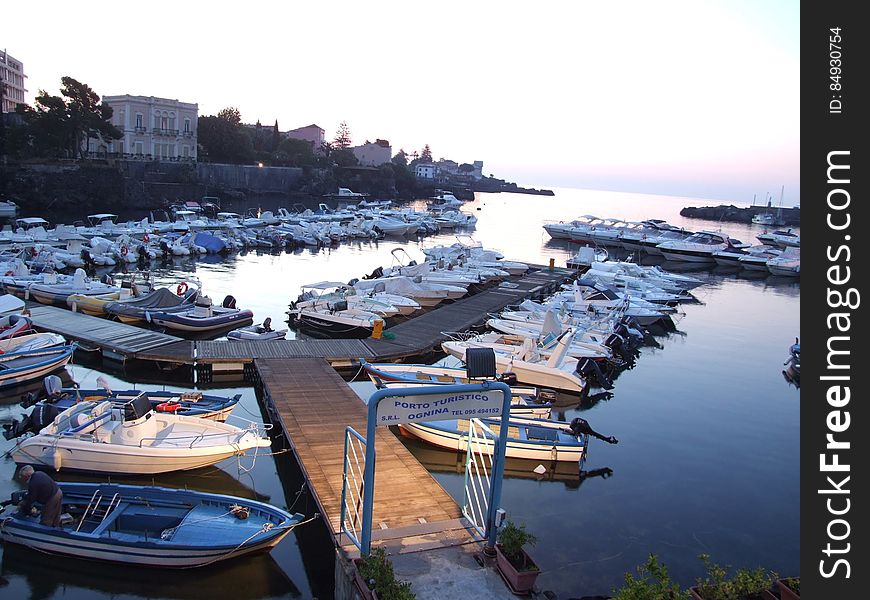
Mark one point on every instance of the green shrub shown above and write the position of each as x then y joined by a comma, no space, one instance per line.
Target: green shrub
512,538
377,571
745,583
652,583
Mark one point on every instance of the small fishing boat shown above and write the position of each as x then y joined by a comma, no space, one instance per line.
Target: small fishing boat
26,365
257,332
132,439
56,292
151,526
528,437
30,341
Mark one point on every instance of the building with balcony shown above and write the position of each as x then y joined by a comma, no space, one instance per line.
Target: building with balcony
153,128
373,154
12,77
313,134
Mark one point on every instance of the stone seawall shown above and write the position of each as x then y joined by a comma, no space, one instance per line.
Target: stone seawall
790,217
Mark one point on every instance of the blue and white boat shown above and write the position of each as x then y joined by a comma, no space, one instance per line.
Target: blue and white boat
152,526
529,438
27,365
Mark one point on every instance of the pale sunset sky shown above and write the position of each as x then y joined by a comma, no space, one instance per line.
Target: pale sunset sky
686,98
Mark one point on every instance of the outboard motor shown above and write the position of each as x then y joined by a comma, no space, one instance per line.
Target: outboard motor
379,272
107,279
580,426
164,247
618,344
41,416
52,389
267,324
229,302
588,369
87,258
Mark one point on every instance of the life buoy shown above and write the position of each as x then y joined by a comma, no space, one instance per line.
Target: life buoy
181,289
146,238
124,250
169,406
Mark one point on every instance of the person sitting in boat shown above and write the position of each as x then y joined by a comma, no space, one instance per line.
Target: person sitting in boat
41,489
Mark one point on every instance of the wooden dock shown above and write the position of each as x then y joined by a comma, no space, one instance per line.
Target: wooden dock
314,405
414,338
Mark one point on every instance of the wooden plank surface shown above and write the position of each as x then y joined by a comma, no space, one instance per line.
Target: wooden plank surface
118,337
315,406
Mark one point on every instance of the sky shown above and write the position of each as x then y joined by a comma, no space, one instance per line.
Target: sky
689,98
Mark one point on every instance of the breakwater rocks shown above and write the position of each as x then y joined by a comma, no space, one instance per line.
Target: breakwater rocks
785,216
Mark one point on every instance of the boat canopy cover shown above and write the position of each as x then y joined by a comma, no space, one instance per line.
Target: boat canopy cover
159,298
211,243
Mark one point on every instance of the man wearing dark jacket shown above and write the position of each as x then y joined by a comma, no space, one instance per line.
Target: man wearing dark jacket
41,489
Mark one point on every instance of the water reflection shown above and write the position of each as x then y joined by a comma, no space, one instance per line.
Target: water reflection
34,575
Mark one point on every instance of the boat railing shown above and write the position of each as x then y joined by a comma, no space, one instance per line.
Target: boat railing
459,336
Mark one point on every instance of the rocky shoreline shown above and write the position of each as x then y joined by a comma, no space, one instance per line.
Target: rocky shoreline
790,217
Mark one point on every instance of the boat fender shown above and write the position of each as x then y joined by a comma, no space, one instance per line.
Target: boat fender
57,459
169,406
181,289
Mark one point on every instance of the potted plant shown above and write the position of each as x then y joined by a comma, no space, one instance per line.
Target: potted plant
652,583
789,588
376,579
515,565
744,584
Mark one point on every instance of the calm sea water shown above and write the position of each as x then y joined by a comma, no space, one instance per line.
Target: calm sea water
708,429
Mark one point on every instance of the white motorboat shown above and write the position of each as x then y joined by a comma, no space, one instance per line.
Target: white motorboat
562,230
756,257
559,371
698,247
328,293
132,439
334,320
426,294
787,264
258,333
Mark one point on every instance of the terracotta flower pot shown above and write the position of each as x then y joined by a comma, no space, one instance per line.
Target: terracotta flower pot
696,595
785,592
520,581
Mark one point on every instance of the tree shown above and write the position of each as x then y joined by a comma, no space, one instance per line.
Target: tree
344,157
400,158
342,136
295,153
223,139
426,154
63,125
88,115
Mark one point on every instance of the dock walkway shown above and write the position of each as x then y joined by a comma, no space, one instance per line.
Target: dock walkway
313,405
416,337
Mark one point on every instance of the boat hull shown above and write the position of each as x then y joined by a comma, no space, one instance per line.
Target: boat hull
177,542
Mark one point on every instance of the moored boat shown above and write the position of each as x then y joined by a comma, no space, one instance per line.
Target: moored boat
27,365
151,526
133,439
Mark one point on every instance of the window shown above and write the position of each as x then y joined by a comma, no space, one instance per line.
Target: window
138,120
186,126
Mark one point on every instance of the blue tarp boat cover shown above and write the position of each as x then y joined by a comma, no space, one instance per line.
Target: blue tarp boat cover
212,244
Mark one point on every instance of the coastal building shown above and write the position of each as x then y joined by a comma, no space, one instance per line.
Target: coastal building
313,134
12,78
373,154
425,171
153,128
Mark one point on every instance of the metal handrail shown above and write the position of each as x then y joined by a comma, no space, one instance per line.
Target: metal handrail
478,465
356,473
